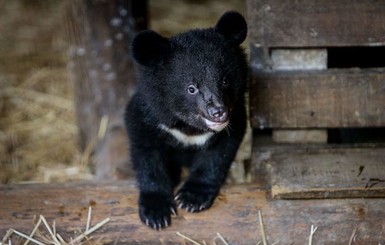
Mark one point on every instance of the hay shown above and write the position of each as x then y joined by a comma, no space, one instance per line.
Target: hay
50,236
37,119
264,241
262,228
38,130
353,236
313,229
186,238
186,15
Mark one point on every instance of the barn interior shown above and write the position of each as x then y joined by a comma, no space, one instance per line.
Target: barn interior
311,168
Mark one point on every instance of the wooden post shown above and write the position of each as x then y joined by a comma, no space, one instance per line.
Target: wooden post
103,75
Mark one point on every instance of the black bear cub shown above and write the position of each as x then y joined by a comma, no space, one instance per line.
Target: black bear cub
188,110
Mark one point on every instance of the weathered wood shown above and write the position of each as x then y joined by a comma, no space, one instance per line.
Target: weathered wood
297,172
102,72
299,59
234,215
323,99
313,23
300,136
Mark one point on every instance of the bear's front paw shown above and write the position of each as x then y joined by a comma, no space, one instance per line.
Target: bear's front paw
155,210
194,199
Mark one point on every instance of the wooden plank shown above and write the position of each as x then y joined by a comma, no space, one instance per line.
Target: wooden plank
234,215
334,98
299,59
314,172
295,136
313,23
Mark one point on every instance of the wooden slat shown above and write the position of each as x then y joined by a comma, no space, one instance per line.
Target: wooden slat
341,98
300,136
304,171
314,23
298,59
234,215
328,173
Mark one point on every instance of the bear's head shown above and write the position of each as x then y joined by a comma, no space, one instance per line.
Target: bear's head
197,77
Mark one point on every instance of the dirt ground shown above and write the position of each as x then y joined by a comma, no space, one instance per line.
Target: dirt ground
38,133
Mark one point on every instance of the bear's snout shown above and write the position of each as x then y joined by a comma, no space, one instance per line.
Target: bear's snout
218,114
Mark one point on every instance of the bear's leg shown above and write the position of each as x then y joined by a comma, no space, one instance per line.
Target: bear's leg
207,174
156,202
174,171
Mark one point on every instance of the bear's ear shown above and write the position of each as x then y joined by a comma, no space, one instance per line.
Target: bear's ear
149,48
233,26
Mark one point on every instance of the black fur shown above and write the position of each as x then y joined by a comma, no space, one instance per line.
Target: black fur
195,83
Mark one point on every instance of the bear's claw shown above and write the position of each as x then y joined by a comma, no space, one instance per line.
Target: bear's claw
156,210
194,201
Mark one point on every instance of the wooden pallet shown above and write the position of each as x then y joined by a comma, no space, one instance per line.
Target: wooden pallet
302,172
295,93
292,86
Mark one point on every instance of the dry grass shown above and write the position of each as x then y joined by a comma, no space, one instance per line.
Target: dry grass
38,130
37,120
264,241
43,234
188,14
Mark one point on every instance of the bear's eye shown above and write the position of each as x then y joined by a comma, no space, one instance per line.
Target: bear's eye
192,89
225,82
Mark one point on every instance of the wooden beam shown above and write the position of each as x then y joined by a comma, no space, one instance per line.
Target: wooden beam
300,136
103,76
314,23
310,171
298,59
323,99
234,215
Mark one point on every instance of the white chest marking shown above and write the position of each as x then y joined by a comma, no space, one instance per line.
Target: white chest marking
187,140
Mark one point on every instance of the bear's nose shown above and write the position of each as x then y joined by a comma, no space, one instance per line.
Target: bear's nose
218,113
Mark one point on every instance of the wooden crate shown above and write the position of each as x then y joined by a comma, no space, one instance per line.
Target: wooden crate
296,86
318,97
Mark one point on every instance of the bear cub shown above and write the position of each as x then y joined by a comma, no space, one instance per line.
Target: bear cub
188,110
